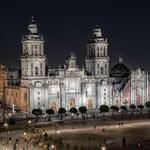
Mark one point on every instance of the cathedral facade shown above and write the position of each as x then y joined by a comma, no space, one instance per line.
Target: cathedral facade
71,86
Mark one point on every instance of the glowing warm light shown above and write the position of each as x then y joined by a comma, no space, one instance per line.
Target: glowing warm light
5,124
103,147
24,133
9,114
58,132
29,121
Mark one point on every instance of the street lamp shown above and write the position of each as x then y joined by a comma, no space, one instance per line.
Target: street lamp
9,114
103,147
55,129
24,133
58,132
26,140
29,121
53,147
6,126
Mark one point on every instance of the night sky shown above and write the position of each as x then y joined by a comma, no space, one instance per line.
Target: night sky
66,26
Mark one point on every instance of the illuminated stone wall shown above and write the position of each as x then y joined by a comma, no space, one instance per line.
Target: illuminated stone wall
3,80
18,96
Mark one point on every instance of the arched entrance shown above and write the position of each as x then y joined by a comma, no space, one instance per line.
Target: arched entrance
90,104
53,105
72,102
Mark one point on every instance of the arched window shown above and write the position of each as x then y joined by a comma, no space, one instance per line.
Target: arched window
97,68
104,51
35,46
31,65
102,70
32,47
35,52
36,70
97,51
105,68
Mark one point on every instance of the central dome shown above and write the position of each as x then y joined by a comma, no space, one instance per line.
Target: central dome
119,70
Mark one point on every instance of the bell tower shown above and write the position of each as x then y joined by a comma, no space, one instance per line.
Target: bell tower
97,60
33,59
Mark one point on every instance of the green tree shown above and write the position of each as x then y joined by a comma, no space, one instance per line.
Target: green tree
147,104
37,112
50,112
83,110
114,109
132,107
123,108
73,110
103,109
61,111
140,107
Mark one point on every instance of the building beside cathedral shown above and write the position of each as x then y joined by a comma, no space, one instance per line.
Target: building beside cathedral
71,86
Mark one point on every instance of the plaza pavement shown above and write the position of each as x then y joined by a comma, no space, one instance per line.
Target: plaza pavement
76,134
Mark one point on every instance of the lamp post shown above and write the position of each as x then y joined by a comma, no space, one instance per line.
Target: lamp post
100,141
55,129
103,147
6,126
58,132
26,140
53,147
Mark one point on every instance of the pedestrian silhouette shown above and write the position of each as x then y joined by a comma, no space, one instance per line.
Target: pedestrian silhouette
123,141
89,139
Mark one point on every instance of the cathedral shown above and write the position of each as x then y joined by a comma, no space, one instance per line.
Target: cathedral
39,86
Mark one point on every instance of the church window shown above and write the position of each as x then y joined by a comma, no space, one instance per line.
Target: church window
35,46
72,64
41,72
86,93
31,65
104,51
32,47
97,51
41,65
57,94
105,66
32,73
35,52
102,70
36,70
